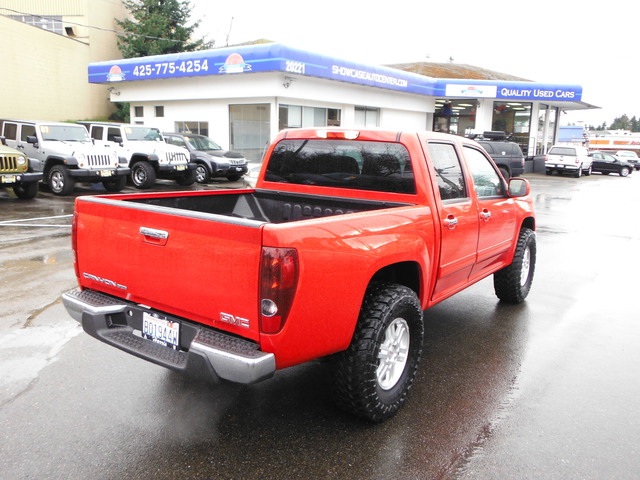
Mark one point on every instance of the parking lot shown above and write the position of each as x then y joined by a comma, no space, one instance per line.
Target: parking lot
547,389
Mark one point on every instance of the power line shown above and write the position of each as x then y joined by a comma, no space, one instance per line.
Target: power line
117,32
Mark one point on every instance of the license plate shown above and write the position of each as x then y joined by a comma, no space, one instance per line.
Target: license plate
106,173
181,167
8,179
160,330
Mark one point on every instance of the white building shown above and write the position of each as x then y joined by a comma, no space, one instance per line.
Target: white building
242,96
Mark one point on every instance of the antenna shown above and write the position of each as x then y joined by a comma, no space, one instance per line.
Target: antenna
229,32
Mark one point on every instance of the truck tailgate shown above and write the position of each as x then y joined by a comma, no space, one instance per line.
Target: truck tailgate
199,266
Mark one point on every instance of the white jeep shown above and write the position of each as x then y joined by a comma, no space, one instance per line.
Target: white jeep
149,156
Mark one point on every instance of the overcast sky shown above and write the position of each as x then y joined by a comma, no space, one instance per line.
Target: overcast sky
556,41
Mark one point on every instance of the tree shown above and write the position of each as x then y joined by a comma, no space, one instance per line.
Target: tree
157,27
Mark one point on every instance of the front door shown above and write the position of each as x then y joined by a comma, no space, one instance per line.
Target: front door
496,213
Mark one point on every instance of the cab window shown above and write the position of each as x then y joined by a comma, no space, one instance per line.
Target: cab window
487,181
27,131
448,171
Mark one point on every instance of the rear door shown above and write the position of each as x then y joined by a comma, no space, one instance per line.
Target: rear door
458,220
495,210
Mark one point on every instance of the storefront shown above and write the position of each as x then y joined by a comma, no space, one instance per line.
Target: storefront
242,96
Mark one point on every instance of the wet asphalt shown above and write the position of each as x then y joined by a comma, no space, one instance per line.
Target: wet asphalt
543,390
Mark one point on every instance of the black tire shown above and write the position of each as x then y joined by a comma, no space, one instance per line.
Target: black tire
624,172
202,173
512,283
234,178
605,173
548,172
60,181
26,190
143,175
588,171
505,173
578,173
188,178
367,381
115,184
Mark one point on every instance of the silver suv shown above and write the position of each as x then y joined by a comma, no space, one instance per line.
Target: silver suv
568,158
65,154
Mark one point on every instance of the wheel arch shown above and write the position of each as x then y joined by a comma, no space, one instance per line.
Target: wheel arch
407,273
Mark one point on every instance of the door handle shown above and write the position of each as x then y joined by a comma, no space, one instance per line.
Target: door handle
154,236
485,215
450,222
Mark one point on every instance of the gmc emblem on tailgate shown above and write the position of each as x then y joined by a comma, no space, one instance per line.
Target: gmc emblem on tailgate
233,320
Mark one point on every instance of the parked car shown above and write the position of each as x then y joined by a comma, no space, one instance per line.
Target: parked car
568,158
64,154
507,155
606,163
629,156
149,156
211,159
15,172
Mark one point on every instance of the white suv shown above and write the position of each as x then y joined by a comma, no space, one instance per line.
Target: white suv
568,158
148,155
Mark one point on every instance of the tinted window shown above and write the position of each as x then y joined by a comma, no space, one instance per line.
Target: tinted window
562,151
448,171
97,132
486,180
359,165
10,131
27,131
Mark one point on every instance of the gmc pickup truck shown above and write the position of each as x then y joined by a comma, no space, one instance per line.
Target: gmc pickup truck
347,238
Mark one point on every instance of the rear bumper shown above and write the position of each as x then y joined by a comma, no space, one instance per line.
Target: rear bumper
203,351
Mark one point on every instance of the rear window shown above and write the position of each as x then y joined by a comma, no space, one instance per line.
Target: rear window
562,151
359,165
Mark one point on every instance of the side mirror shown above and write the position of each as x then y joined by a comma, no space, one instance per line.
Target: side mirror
117,139
519,187
32,139
3,140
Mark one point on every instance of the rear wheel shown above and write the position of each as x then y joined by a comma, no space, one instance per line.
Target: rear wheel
578,172
60,181
374,375
26,191
512,283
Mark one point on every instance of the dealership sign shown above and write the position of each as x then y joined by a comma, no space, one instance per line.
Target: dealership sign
275,57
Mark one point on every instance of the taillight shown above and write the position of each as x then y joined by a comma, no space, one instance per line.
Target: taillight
278,281
74,242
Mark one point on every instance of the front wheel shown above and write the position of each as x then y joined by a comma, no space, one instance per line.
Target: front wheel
189,178
624,171
26,191
374,375
115,184
143,175
202,174
60,181
513,282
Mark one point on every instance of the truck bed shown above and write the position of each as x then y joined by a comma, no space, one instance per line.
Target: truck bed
264,206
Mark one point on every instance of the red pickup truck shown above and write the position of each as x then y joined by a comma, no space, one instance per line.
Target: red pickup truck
347,237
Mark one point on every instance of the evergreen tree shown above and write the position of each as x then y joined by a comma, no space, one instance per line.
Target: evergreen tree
157,27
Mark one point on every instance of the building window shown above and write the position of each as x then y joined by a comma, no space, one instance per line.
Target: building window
513,118
201,128
249,129
455,116
138,111
295,116
367,117
51,23
160,111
